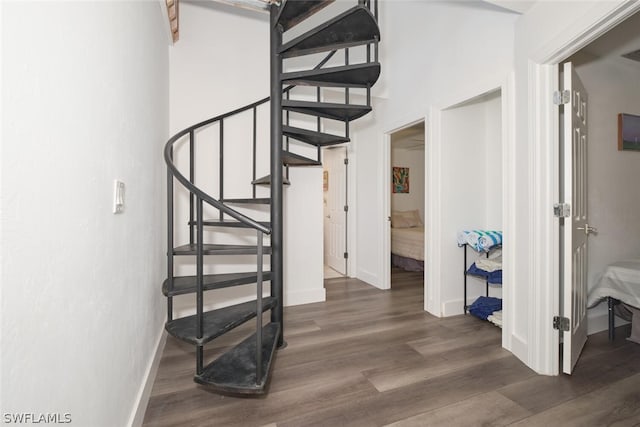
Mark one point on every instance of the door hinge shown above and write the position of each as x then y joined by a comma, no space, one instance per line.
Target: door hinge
346,161
346,255
561,323
346,208
562,210
561,97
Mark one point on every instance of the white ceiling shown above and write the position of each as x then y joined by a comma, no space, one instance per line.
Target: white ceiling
411,138
622,39
517,6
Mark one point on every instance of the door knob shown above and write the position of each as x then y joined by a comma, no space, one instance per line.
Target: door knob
588,229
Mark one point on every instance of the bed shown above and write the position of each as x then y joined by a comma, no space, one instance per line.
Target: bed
407,240
620,282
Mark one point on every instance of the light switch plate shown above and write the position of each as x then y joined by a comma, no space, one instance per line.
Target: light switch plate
118,196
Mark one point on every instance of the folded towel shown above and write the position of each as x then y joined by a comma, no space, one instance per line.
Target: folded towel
484,307
493,277
488,239
496,318
480,240
468,238
489,264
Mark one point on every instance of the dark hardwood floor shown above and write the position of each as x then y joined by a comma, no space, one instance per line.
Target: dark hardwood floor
368,357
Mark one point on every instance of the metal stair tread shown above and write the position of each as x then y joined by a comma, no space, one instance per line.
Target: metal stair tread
216,322
218,249
357,76
354,27
327,110
187,284
319,139
266,180
235,370
292,159
292,12
228,223
249,201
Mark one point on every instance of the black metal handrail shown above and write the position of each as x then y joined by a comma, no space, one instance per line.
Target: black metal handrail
188,182
193,189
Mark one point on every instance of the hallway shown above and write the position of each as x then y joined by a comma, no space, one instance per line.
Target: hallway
368,357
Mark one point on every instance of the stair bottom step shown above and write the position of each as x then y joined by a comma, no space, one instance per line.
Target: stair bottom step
235,371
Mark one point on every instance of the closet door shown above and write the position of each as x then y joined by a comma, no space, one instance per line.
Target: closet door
336,220
576,228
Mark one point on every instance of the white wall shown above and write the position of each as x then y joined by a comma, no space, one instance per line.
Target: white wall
222,63
612,86
414,160
441,54
471,191
85,101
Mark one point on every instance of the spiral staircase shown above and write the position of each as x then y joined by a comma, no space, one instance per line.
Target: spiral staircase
245,368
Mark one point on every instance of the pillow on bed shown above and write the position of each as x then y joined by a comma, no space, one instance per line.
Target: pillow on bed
405,219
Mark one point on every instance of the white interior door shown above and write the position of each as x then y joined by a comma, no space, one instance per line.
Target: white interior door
335,215
576,229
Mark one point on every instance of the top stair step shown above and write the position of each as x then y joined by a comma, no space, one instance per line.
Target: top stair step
294,12
355,27
358,75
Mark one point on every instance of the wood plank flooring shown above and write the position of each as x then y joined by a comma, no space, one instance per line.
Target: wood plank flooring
368,357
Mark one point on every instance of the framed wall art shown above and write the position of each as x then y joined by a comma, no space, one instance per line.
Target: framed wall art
400,180
628,132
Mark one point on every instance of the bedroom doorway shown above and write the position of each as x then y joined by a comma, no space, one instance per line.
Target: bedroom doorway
609,68
407,198
335,210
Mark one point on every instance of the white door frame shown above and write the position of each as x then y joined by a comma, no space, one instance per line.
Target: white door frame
543,130
433,274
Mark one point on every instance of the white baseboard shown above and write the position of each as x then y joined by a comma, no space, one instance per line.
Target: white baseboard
454,307
142,400
304,297
368,278
520,349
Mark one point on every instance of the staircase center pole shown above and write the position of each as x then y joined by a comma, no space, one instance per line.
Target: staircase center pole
276,173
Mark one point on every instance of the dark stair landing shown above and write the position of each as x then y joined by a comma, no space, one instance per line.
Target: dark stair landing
235,371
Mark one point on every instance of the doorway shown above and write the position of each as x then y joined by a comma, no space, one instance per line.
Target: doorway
335,211
406,194
609,69
540,60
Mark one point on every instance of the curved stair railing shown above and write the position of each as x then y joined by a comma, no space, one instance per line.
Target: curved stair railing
245,368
